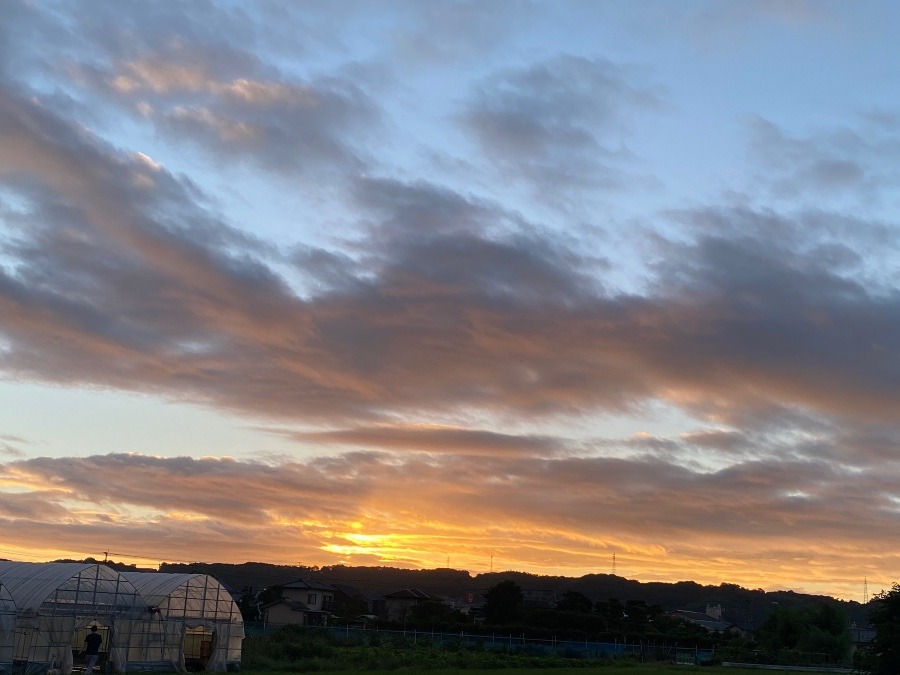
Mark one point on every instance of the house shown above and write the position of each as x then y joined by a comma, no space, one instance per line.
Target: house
348,602
396,606
539,598
712,620
860,637
303,602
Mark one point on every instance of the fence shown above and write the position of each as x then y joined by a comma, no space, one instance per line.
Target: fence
584,649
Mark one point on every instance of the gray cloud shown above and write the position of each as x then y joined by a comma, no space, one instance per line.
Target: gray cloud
11,446
301,127
450,31
560,124
848,161
197,73
754,509
432,305
435,439
122,280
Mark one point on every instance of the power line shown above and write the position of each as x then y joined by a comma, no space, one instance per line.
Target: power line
20,554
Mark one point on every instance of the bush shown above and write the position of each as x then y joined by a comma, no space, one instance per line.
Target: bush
296,649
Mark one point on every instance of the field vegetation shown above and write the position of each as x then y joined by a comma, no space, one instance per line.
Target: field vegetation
297,650
578,634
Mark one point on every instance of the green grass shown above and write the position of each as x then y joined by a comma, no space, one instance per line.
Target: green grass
624,669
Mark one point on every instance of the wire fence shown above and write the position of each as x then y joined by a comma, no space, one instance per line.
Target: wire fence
519,644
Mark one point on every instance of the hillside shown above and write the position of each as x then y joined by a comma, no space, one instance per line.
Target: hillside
743,606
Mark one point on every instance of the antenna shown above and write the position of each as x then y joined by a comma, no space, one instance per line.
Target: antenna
106,555
865,591
614,563
492,563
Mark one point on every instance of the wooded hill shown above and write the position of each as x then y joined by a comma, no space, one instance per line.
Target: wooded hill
745,607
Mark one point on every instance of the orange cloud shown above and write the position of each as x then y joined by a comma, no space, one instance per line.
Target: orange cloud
661,523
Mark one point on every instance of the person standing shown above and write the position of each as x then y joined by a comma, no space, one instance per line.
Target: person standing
92,649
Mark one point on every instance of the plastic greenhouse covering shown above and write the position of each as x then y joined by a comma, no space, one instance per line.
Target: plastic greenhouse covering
191,617
55,600
148,621
7,630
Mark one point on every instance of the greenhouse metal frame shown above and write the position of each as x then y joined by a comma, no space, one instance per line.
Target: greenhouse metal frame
53,601
7,630
192,620
148,620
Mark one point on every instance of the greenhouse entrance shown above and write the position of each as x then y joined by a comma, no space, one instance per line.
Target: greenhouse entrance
198,648
79,659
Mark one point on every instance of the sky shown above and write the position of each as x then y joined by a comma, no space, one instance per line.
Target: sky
512,285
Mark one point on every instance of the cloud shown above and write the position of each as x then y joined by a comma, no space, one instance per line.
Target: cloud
854,160
450,31
719,28
560,124
434,439
200,74
247,112
122,279
303,127
458,361
553,514
10,445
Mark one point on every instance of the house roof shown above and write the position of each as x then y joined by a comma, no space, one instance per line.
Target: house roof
309,584
411,594
862,634
350,591
704,620
294,606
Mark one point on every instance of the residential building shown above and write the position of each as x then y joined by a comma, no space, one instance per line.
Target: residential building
396,606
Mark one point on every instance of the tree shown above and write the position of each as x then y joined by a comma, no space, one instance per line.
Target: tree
503,602
636,616
247,605
806,633
884,615
431,612
573,601
270,594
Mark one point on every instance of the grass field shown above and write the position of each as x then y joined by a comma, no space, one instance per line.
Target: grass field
631,669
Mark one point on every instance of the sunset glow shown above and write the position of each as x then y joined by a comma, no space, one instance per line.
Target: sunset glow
494,285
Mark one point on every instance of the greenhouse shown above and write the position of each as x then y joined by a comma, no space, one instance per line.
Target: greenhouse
7,630
55,603
193,623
